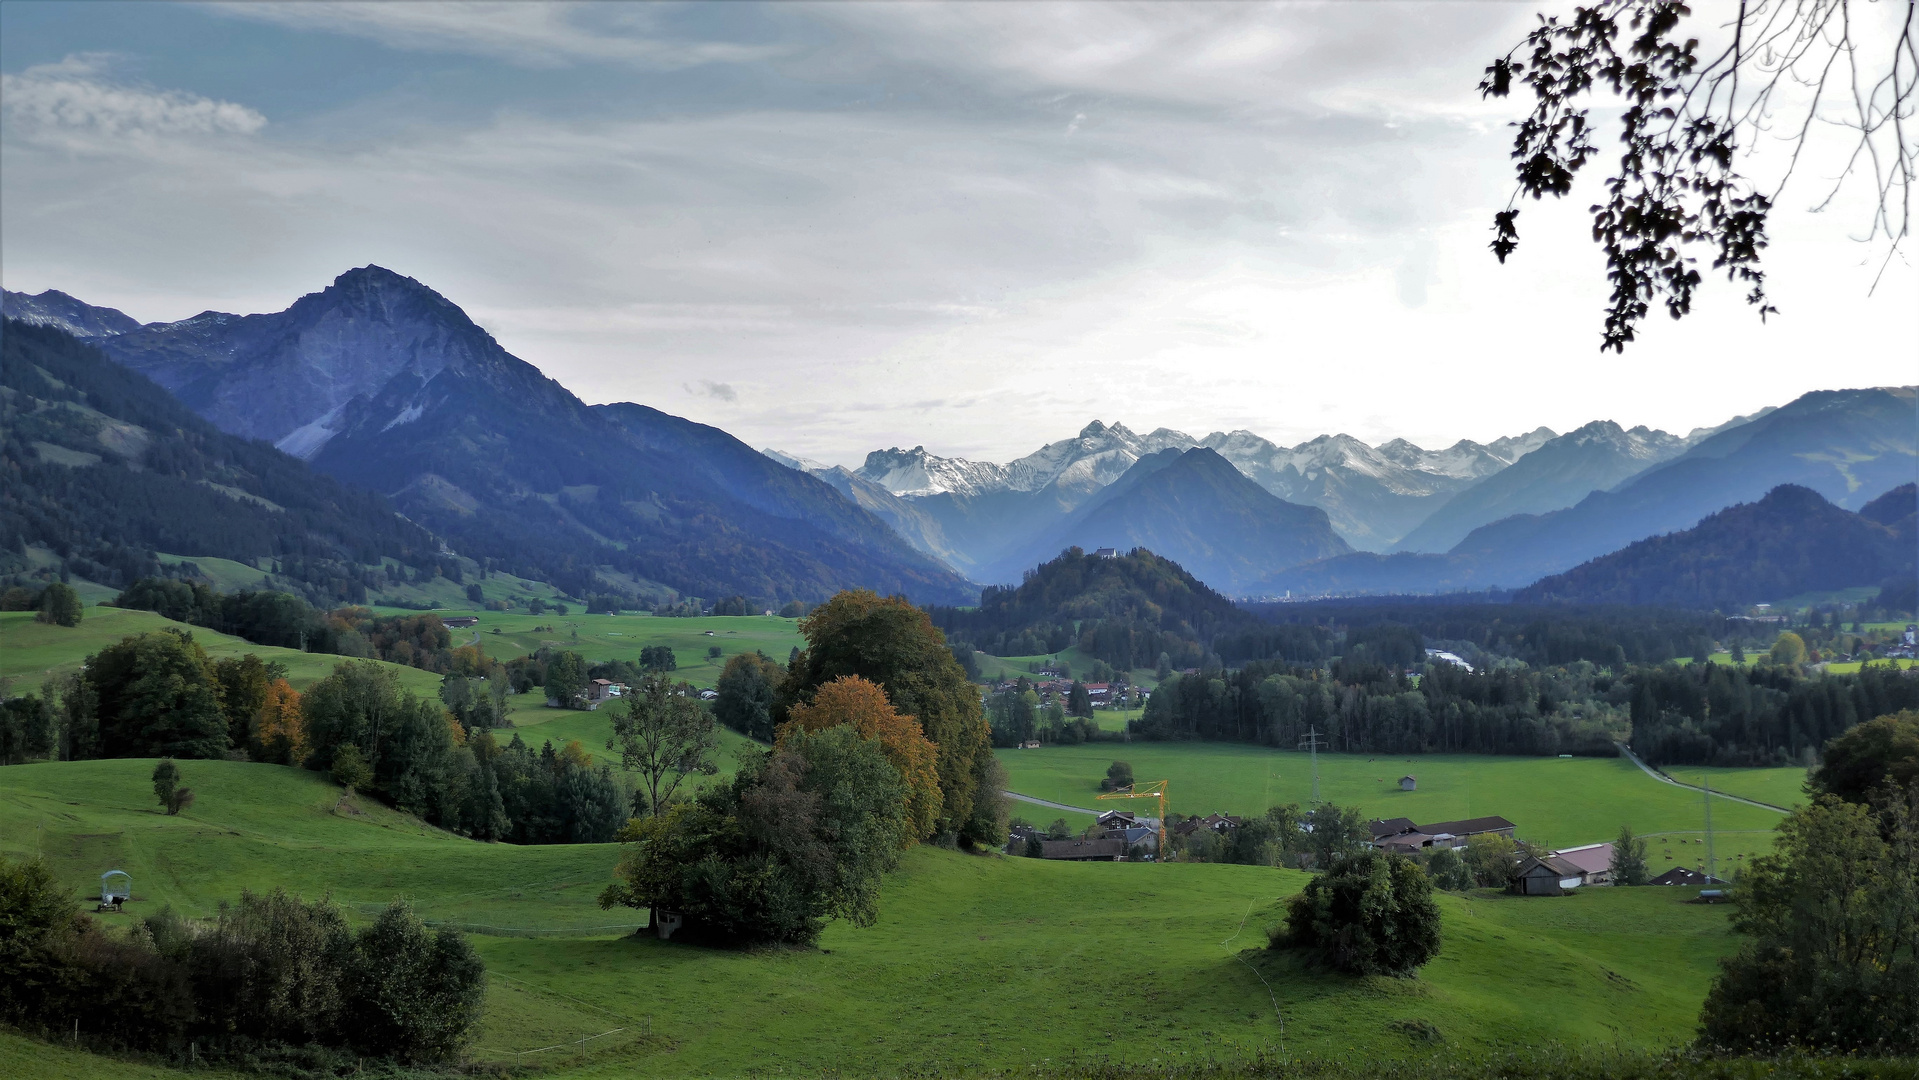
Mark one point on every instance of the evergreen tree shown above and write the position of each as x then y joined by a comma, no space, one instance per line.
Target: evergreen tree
1629,859
166,785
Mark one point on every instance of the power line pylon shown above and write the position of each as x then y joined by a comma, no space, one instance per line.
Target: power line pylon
1311,743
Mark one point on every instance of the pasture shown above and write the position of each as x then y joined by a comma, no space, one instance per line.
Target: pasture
1561,802
620,637
977,963
30,652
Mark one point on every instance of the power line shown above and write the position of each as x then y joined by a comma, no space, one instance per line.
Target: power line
1311,743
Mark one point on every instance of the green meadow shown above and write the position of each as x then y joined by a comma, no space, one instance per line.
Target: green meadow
30,651
1556,801
977,963
620,637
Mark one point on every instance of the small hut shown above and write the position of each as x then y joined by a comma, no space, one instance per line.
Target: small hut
1408,783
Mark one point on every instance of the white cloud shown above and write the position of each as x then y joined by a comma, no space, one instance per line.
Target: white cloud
1232,236
530,34
76,101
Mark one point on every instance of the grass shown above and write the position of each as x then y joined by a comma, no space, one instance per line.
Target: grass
620,637
1557,801
30,652
976,963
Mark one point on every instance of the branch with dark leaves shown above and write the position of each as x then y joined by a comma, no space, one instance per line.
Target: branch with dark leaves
1686,123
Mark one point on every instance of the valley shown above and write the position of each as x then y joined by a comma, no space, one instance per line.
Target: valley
978,963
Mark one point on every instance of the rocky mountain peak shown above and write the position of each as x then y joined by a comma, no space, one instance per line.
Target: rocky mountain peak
62,312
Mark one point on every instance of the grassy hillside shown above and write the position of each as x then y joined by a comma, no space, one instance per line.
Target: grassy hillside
977,962
31,651
620,637
1557,801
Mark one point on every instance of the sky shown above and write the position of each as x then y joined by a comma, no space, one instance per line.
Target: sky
974,227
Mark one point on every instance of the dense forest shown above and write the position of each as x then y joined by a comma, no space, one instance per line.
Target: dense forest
1699,714
105,468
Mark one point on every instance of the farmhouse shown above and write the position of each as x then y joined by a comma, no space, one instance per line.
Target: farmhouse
1217,822
459,622
1118,819
1550,876
599,692
1102,850
1594,862
1401,835
1684,875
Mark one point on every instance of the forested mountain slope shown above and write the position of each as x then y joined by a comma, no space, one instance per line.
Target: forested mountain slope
1125,609
386,384
106,468
1788,543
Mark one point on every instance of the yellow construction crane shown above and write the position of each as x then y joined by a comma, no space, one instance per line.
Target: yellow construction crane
1154,790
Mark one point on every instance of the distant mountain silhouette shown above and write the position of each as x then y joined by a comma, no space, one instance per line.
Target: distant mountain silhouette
1843,444
385,383
1790,542
62,312
1557,475
1194,508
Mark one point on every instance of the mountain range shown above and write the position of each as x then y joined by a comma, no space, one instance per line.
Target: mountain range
385,384
382,382
1849,446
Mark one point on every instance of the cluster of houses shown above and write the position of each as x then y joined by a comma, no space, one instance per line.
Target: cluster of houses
1552,874
1103,695
1120,834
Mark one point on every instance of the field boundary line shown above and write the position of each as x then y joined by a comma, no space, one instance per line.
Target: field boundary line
1270,995
1049,802
517,1054
1660,775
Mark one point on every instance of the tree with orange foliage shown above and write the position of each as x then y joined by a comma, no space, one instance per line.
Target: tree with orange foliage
852,701
279,731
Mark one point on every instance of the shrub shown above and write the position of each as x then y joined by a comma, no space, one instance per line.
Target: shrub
1370,914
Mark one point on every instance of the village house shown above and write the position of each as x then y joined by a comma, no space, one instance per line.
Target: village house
1217,822
1685,875
1401,835
600,691
459,622
1102,850
1550,876
1594,862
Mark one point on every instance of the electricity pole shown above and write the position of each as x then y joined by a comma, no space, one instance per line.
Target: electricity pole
1311,744
1706,785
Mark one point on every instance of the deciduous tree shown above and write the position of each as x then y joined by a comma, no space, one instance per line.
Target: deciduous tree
1370,914
662,733
890,642
861,705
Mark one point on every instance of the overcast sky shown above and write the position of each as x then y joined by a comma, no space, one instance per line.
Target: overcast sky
974,227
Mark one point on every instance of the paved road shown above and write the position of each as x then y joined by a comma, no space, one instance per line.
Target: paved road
1663,778
1054,805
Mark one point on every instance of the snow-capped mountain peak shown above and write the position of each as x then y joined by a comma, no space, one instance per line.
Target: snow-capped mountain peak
793,461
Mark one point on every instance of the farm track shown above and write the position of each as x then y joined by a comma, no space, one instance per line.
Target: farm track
1054,805
1663,778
